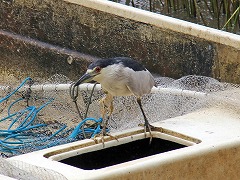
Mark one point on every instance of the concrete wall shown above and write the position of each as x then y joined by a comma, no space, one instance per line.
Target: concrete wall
21,57
166,46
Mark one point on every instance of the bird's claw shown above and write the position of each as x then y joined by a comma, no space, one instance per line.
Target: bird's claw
148,127
101,137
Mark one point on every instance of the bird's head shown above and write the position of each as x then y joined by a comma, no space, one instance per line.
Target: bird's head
94,69
89,75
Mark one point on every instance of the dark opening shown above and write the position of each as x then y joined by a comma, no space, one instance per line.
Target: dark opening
122,153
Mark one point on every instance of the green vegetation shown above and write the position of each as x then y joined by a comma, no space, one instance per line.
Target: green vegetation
220,14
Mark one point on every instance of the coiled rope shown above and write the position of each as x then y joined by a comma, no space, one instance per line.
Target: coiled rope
18,135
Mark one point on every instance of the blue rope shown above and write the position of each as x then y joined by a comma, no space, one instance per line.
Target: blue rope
10,94
18,136
78,129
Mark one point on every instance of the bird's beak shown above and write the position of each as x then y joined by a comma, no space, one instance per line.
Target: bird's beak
87,77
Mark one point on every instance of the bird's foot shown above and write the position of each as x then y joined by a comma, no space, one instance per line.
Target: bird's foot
100,137
148,127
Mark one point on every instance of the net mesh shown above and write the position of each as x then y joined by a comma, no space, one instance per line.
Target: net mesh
62,111
157,106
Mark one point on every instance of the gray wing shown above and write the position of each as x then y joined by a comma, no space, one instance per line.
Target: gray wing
140,82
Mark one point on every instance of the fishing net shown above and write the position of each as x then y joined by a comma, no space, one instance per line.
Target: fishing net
57,117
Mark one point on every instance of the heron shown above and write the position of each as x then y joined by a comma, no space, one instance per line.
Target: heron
119,76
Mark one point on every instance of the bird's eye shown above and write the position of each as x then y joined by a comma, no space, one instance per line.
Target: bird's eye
97,69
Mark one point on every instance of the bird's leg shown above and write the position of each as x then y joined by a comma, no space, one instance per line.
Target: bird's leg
106,105
147,125
106,108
